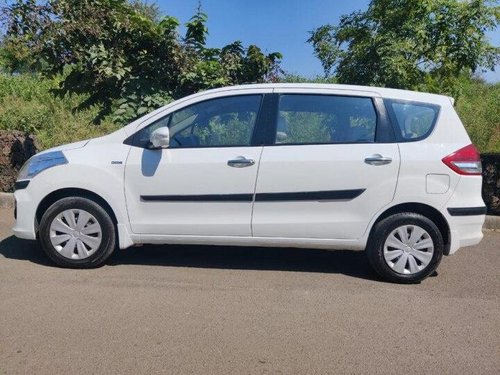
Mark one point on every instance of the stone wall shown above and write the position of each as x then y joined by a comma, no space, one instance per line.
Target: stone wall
15,148
491,182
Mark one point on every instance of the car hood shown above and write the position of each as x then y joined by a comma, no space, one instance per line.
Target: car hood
67,147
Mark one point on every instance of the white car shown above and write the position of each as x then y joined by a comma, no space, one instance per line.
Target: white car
291,165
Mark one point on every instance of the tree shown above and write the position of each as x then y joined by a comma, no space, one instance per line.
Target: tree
425,44
325,48
148,9
125,59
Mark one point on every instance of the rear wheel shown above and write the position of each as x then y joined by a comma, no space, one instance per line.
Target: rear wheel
76,232
405,248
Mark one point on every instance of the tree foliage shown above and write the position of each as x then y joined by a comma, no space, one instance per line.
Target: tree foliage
147,8
122,55
425,44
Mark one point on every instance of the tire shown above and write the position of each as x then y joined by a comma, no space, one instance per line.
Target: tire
77,232
398,263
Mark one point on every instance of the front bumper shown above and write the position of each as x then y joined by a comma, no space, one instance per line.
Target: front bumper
25,214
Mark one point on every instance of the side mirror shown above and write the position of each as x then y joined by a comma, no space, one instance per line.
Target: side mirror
160,138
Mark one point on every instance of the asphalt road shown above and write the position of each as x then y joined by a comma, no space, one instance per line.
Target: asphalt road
214,310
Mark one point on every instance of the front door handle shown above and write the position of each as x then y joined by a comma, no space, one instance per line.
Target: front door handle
240,162
378,159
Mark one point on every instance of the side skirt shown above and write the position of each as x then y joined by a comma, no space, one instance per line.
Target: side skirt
311,243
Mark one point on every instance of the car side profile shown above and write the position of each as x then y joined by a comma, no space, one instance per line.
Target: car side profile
290,165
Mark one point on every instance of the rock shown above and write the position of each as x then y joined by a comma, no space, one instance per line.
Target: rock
15,148
491,182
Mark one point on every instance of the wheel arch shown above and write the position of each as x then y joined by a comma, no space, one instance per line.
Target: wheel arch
425,210
56,195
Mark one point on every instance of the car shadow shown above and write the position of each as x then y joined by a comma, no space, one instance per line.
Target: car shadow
15,248
350,263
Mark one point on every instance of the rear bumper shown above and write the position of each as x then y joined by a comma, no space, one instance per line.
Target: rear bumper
466,226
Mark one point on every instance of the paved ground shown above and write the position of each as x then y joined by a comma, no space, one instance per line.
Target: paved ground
216,310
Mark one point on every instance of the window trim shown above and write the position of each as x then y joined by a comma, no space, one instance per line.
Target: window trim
384,132
383,129
267,121
133,140
394,121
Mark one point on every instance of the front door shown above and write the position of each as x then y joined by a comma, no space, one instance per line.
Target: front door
203,184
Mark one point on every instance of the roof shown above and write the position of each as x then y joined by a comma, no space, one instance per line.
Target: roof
382,91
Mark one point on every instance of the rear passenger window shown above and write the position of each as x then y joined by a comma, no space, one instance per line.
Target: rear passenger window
313,119
415,120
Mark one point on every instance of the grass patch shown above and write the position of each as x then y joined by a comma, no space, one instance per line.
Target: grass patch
27,104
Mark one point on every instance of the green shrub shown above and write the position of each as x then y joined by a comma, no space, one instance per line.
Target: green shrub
479,109
27,104
27,116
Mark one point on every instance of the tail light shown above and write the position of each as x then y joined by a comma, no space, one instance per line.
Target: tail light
465,161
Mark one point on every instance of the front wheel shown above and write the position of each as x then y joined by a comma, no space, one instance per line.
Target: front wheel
405,248
76,232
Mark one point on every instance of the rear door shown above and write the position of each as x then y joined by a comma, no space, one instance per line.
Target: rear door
329,169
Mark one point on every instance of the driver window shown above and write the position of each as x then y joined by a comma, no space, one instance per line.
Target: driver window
225,121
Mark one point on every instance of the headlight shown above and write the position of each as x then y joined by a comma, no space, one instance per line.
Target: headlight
39,163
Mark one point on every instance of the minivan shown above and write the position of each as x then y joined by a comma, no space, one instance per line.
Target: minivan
388,171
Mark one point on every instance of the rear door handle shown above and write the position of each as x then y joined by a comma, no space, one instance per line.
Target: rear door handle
240,162
378,159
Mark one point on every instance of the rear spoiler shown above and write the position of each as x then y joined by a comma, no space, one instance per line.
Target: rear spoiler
452,100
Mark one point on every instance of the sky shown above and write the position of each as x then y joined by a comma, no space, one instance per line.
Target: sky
276,26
